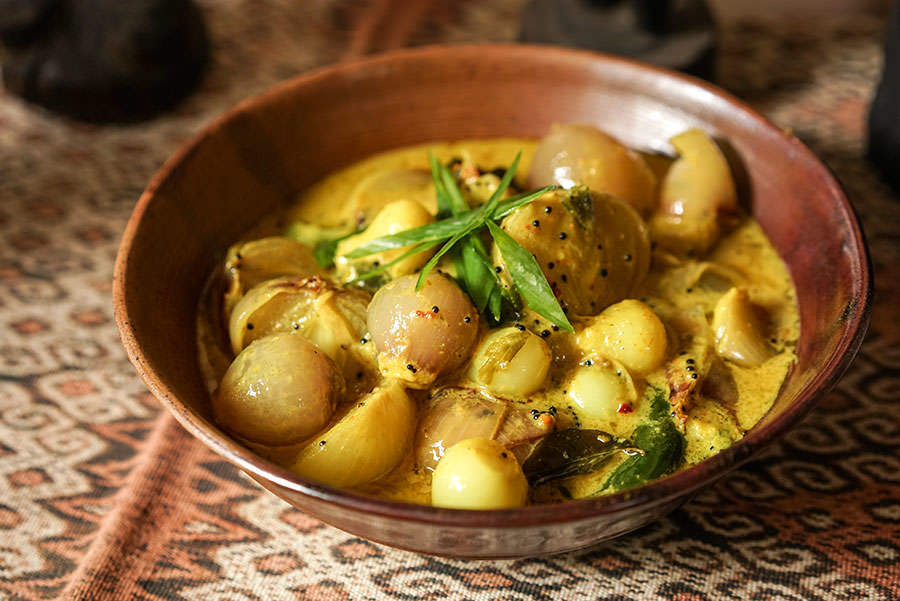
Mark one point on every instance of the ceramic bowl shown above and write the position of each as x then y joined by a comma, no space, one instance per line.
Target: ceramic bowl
258,155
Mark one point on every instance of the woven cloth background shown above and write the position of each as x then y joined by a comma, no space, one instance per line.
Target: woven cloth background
103,497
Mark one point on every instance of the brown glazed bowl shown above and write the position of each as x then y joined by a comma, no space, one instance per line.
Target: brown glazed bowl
260,153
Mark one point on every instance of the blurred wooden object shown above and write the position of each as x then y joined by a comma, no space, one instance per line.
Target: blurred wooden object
102,60
677,35
385,25
729,11
884,115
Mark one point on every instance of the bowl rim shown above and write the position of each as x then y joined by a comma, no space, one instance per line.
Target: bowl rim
657,492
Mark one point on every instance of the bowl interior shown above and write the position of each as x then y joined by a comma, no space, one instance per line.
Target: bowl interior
262,152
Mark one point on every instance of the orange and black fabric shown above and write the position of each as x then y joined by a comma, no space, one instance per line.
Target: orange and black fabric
103,497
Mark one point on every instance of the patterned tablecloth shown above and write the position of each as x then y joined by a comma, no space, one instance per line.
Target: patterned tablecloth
104,497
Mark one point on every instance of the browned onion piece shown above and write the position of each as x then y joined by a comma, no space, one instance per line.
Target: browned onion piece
420,335
328,315
250,263
696,193
574,154
594,249
279,390
366,443
383,187
739,327
456,413
331,317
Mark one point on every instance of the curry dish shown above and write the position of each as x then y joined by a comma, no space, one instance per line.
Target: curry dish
493,323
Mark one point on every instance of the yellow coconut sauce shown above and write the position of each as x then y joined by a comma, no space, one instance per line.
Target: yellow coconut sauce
682,290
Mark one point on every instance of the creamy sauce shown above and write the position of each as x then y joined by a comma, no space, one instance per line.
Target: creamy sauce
675,288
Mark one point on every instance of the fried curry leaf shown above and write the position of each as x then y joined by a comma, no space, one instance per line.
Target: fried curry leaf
580,205
570,453
662,445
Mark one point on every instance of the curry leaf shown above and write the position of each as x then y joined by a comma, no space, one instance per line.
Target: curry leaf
528,278
445,203
416,249
430,232
495,304
324,252
475,274
474,223
570,453
512,203
458,231
454,197
579,203
439,230
662,445
323,240
492,202
473,269
491,282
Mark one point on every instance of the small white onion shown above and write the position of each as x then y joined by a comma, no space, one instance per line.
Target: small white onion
478,473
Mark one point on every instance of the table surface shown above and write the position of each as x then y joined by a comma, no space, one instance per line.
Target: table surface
105,497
